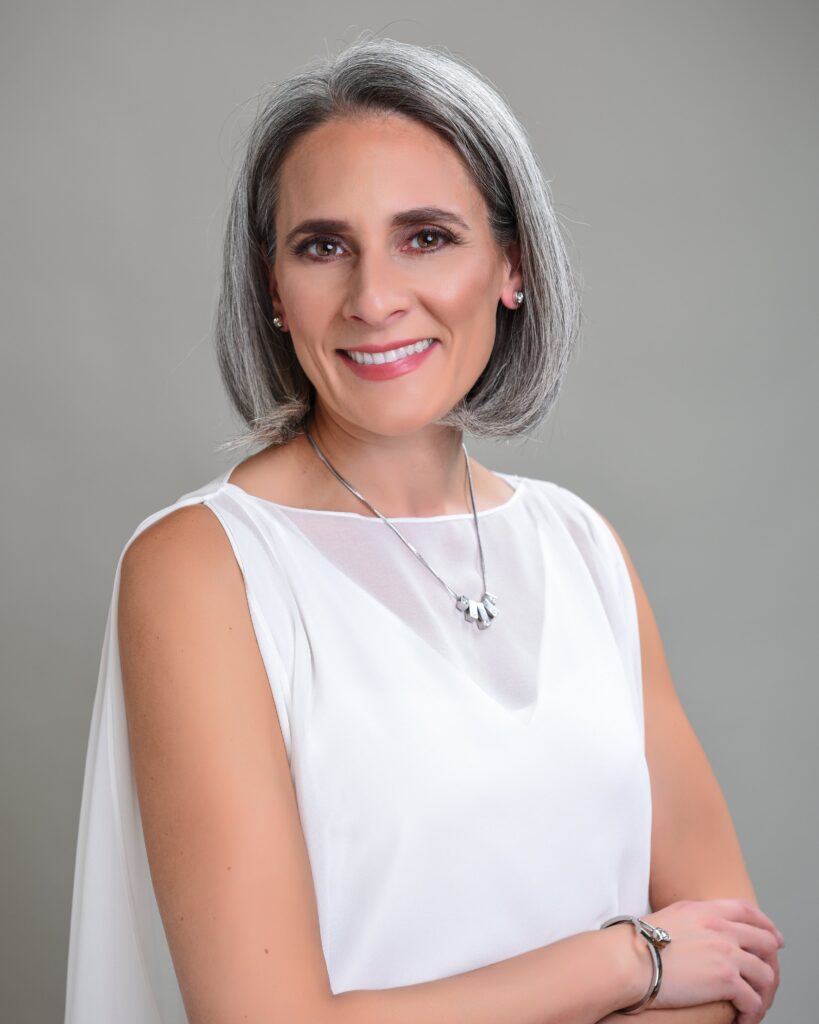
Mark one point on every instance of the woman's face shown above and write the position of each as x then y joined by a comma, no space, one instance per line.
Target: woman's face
381,270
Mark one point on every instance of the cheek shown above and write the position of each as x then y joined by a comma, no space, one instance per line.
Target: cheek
309,299
465,293
465,305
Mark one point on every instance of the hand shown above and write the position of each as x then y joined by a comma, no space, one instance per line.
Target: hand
720,949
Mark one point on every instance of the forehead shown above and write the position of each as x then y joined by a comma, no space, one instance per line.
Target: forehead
376,164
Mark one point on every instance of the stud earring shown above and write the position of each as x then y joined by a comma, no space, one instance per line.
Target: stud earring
519,297
277,321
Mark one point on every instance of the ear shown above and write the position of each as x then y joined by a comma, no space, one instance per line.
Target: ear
271,282
513,282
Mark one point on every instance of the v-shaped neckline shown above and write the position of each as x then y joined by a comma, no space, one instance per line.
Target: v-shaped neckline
522,716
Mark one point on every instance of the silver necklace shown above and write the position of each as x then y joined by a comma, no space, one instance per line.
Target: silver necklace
480,612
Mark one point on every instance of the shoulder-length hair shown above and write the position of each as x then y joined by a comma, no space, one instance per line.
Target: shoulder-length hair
533,344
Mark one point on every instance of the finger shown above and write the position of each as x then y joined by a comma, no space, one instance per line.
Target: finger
748,1003
748,913
751,938
768,957
773,963
758,973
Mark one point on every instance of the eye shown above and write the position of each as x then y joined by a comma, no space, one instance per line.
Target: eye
308,243
326,243
426,232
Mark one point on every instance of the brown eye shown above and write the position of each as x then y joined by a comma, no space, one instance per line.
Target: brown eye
433,233
324,246
427,235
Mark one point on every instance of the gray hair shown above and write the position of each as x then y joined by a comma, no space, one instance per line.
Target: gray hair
533,344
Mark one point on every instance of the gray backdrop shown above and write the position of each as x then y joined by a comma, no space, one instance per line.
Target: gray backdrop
681,146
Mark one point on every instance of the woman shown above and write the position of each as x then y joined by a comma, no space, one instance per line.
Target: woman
474,758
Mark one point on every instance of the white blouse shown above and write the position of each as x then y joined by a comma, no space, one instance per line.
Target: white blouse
466,794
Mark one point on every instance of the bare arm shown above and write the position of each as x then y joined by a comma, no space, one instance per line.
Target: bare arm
695,852
722,1012
225,846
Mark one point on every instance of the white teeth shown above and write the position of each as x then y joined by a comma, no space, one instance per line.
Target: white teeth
368,358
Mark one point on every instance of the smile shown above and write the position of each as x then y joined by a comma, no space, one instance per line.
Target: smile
393,354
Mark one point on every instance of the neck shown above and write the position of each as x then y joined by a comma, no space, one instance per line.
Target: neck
419,474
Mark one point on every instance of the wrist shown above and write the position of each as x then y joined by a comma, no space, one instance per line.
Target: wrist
629,950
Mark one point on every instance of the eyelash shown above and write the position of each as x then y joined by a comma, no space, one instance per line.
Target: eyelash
449,236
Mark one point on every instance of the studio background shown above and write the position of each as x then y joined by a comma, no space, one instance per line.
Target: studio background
680,143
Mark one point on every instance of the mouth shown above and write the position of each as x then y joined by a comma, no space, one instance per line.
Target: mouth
370,355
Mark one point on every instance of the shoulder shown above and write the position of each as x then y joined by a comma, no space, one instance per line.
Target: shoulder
601,526
640,597
607,536
583,520
645,615
188,538
593,533
178,574
185,632
618,540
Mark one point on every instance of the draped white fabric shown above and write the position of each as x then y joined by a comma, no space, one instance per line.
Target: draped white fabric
465,794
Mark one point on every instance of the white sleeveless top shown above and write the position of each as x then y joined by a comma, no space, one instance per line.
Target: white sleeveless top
466,794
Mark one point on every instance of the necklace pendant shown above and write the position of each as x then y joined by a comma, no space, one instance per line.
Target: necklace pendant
480,612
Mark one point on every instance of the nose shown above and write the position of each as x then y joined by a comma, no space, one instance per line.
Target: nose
377,290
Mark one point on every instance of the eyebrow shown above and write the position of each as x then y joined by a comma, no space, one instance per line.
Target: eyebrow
405,217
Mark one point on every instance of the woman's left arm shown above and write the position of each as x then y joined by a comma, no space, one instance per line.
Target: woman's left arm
707,1013
695,852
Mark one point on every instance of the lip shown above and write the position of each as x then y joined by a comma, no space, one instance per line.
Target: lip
385,348
387,371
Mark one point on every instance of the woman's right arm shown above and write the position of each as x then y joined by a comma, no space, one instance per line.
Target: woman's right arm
225,846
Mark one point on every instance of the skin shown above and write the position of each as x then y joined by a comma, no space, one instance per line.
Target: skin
695,852
377,285
221,822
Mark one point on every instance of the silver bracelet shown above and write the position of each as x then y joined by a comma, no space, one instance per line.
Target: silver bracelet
656,938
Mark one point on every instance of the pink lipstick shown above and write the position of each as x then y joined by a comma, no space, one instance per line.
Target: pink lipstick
384,362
